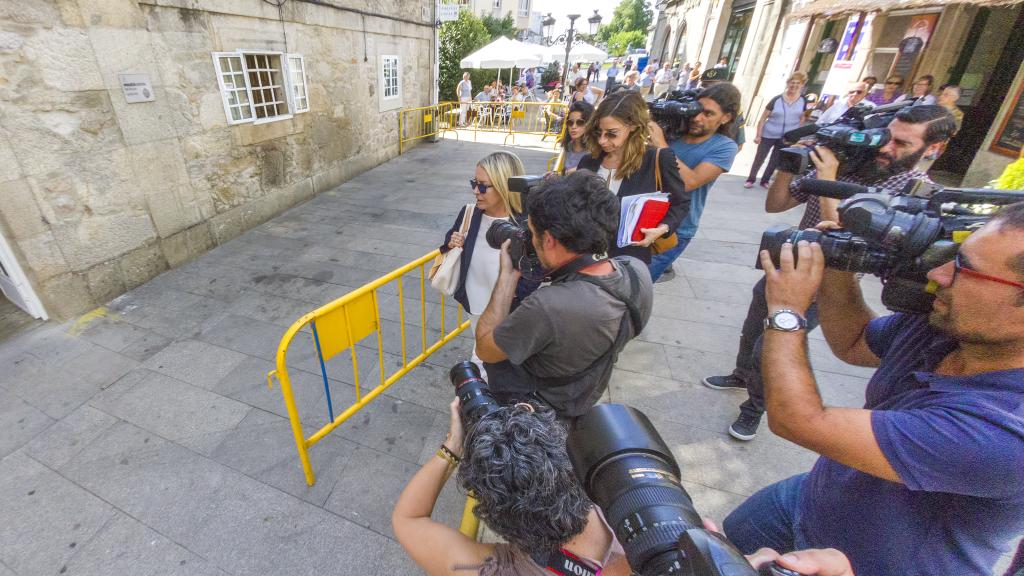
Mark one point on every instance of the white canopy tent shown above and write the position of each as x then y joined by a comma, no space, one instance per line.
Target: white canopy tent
506,53
581,52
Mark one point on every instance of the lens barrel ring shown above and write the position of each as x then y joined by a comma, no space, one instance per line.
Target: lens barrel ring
644,497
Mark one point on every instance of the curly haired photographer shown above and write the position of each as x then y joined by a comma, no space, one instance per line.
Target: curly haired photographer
916,131
559,345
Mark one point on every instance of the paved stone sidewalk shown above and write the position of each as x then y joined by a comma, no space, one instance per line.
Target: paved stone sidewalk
143,438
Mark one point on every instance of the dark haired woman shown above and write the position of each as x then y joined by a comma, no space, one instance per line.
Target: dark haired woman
537,508
619,153
574,146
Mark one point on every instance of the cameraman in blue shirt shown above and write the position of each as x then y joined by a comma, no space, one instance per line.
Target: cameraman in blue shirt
703,152
927,477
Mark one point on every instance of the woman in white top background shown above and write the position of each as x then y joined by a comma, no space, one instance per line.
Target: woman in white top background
479,264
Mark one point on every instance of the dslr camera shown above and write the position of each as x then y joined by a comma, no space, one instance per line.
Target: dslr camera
627,469
854,138
898,237
673,111
524,257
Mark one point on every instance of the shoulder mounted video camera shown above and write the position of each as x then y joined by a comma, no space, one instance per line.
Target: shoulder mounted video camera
673,110
897,236
854,138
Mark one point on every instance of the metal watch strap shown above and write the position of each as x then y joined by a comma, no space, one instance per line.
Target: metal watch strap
771,324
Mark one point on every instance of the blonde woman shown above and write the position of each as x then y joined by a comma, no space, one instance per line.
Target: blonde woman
479,264
619,152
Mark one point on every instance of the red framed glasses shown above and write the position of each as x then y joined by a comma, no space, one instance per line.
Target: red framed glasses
958,267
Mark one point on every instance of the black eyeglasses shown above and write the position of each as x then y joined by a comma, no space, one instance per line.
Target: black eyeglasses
478,186
891,82
576,122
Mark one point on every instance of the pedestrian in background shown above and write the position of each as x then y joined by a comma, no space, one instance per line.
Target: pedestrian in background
663,80
574,142
582,90
921,89
888,94
647,81
782,114
855,95
694,80
464,92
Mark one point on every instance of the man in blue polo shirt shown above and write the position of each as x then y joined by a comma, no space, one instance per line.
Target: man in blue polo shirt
927,478
705,151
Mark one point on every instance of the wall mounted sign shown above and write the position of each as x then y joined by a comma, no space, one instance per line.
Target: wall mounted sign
137,88
828,46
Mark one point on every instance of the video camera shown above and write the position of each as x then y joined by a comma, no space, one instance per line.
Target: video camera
627,469
897,237
524,257
854,138
673,110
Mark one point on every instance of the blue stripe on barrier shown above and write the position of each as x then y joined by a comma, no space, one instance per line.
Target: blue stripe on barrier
323,371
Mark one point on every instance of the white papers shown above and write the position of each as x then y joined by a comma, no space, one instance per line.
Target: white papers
629,214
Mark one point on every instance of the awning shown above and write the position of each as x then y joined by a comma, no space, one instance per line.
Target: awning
841,7
505,53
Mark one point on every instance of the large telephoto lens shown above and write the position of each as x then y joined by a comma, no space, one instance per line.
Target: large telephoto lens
629,472
475,397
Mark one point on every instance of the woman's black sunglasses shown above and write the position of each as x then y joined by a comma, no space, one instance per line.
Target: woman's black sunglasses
577,122
478,185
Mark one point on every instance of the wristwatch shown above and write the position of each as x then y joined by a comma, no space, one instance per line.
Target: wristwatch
785,320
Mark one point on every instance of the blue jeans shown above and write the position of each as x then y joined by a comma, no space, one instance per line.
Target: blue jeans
661,262
768,519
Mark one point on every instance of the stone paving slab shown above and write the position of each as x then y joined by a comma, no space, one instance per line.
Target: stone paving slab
144,439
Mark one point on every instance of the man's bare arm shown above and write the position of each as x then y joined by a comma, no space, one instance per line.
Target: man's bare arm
845,317
779,199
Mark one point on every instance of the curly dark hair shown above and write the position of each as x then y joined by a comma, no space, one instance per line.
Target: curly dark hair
578,210
727,96
516,465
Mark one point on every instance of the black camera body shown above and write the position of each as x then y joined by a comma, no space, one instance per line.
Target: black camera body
629,472
855,138
673,111
897,237
524,257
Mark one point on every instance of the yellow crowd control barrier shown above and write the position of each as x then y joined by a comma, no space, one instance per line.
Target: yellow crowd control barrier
423,122
340,326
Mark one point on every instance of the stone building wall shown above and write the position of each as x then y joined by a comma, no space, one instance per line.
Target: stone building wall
98,196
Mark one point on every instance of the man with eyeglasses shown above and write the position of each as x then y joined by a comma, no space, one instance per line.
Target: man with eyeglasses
914,132
927,477
855,95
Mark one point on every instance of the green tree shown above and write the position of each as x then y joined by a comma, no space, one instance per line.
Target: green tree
459,38
629,16
621,41
501,26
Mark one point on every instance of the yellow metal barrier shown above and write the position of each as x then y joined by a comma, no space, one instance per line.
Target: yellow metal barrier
339,326
470,523
425,121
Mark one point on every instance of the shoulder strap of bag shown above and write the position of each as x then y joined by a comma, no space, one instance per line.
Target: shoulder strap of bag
657,170
467,215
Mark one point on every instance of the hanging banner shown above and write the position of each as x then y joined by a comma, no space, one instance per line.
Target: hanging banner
916,38
845,68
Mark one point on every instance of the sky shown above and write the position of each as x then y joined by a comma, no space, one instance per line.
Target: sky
585,8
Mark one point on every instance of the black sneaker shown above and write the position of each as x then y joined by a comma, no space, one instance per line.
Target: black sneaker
666,276
730,382
745,427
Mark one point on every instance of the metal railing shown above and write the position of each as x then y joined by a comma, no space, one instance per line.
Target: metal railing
342,325
542,119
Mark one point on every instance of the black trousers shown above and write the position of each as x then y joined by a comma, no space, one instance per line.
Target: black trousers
768,148
748,359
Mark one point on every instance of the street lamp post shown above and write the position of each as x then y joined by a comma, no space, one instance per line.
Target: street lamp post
595,23
547,23
568,47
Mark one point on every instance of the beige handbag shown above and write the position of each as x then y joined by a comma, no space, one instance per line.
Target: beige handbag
444,273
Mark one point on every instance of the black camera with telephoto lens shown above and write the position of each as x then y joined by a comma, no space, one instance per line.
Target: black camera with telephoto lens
897,237
855,138
672,111
629,472
475,398
524,258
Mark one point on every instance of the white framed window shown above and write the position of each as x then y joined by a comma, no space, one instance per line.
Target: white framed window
524,8
497,4
258,86
390,82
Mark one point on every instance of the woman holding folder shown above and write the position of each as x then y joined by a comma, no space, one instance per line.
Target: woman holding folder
620,154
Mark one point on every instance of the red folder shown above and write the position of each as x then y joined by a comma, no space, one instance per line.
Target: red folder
650,217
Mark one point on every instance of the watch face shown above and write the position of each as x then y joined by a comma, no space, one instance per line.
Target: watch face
787,321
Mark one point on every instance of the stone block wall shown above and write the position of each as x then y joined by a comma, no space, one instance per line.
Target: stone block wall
98,195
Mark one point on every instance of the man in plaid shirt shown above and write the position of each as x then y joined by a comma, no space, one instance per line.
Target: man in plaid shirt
915,132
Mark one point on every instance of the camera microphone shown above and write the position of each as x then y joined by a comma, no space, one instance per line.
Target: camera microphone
837,190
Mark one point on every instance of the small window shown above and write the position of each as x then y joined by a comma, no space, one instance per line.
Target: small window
390,77
524,8
497,4
390,83
261,87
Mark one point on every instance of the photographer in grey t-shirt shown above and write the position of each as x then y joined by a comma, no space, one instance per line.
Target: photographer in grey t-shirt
560,344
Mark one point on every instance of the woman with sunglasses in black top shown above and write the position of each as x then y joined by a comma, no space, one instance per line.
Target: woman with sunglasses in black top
574,146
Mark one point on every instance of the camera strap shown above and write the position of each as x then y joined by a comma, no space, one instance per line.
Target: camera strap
565,563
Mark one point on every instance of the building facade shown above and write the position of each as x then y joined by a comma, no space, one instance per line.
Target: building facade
520,9
137,134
